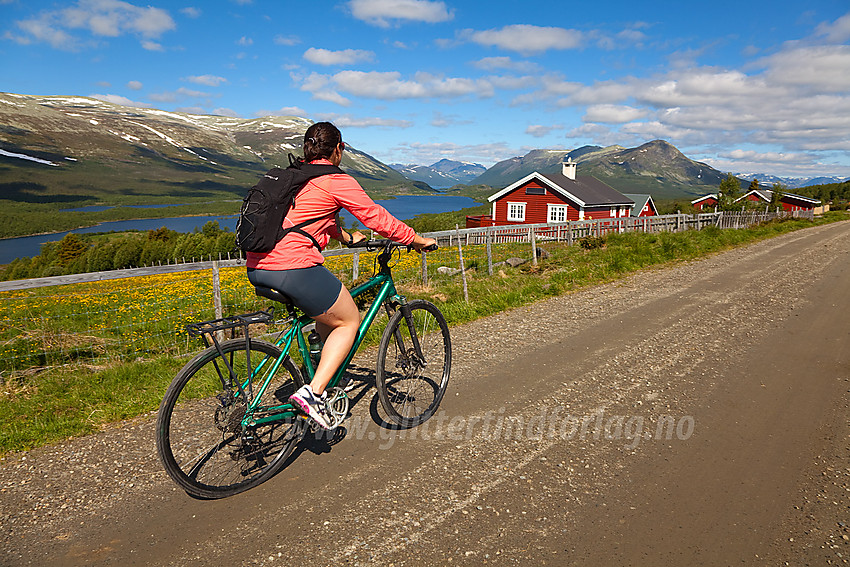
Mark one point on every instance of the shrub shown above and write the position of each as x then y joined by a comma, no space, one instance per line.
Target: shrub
591,242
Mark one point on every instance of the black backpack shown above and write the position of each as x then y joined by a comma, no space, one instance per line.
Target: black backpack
260,224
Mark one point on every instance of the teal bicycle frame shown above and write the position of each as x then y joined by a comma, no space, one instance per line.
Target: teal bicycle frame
386,295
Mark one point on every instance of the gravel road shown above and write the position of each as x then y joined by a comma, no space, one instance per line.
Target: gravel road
691,415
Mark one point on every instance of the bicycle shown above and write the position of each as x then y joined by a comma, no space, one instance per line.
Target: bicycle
226,424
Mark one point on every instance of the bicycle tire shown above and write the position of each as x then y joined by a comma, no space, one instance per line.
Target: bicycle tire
409,392
199,436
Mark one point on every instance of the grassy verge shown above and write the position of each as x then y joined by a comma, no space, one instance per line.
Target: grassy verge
52,406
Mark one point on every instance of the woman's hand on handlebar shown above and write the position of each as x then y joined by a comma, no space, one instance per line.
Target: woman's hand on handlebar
355,238
423,244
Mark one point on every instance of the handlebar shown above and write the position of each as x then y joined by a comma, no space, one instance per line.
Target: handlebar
387,245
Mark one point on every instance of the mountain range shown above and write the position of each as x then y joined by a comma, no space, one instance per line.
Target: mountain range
765,180
73,149
442,174
656,167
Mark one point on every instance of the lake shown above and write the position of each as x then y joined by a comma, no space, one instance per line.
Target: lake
404,207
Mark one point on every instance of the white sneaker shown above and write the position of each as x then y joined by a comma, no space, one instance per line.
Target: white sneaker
312,405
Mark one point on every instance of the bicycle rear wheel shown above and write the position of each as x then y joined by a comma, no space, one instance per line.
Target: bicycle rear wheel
411,387
200,436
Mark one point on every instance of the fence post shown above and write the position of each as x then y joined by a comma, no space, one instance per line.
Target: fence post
355,265
533,246
424,263
462,268
216,285
487,238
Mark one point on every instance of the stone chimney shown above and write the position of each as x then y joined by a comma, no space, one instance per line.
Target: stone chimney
569,168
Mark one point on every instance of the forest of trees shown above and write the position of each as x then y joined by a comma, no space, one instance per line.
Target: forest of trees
76,253
836,193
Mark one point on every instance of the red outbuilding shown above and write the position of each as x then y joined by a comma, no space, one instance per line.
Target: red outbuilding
644,205
789,201
705,202
549,198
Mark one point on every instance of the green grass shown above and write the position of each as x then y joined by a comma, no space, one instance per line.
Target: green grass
75,400
81,401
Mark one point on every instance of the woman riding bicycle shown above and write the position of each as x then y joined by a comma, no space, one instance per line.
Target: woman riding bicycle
294,267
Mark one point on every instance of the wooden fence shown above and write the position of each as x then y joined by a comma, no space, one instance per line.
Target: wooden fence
571,231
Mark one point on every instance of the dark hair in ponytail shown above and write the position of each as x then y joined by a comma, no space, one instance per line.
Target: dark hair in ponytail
320,141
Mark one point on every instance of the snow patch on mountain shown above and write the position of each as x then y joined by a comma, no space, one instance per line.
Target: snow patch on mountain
28,158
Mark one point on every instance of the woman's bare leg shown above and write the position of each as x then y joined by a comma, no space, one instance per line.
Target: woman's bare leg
338,327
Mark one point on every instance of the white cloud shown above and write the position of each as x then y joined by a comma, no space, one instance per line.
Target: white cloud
321,88
245,41
348,121
288,40
497,63
613,113
207,80
152,45
344,57
191,110
383,12
540,130
440,120
332,96
225,112
776,163
135,85
528,39
764,156
818,68
837,31
285,111
632,35
101,18
191,12
391,86
123,101
180,94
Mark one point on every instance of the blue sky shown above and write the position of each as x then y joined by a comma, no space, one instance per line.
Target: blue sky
747,86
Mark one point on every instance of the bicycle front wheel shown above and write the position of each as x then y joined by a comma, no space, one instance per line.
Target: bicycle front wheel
410,382
203,438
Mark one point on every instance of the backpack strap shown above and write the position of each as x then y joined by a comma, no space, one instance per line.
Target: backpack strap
299,228
310,171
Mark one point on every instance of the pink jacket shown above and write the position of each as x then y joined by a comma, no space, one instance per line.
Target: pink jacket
324,197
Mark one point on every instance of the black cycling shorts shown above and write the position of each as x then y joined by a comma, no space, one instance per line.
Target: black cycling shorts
313,290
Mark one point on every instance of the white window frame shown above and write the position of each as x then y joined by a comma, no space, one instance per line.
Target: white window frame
516,212
556,213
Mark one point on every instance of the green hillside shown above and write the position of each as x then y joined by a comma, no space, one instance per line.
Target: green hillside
62,152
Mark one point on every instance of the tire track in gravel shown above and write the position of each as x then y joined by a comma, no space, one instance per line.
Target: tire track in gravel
661,342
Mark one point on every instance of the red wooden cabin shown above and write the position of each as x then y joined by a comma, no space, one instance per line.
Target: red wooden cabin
705,202
789,201
549,198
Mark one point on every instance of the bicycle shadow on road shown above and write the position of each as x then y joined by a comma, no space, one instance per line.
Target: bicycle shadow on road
361,383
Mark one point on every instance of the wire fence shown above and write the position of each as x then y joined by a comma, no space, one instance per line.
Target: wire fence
95,320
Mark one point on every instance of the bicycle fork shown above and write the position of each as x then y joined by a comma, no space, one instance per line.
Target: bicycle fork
407,313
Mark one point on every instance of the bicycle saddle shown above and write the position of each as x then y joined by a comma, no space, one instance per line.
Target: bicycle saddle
272,294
